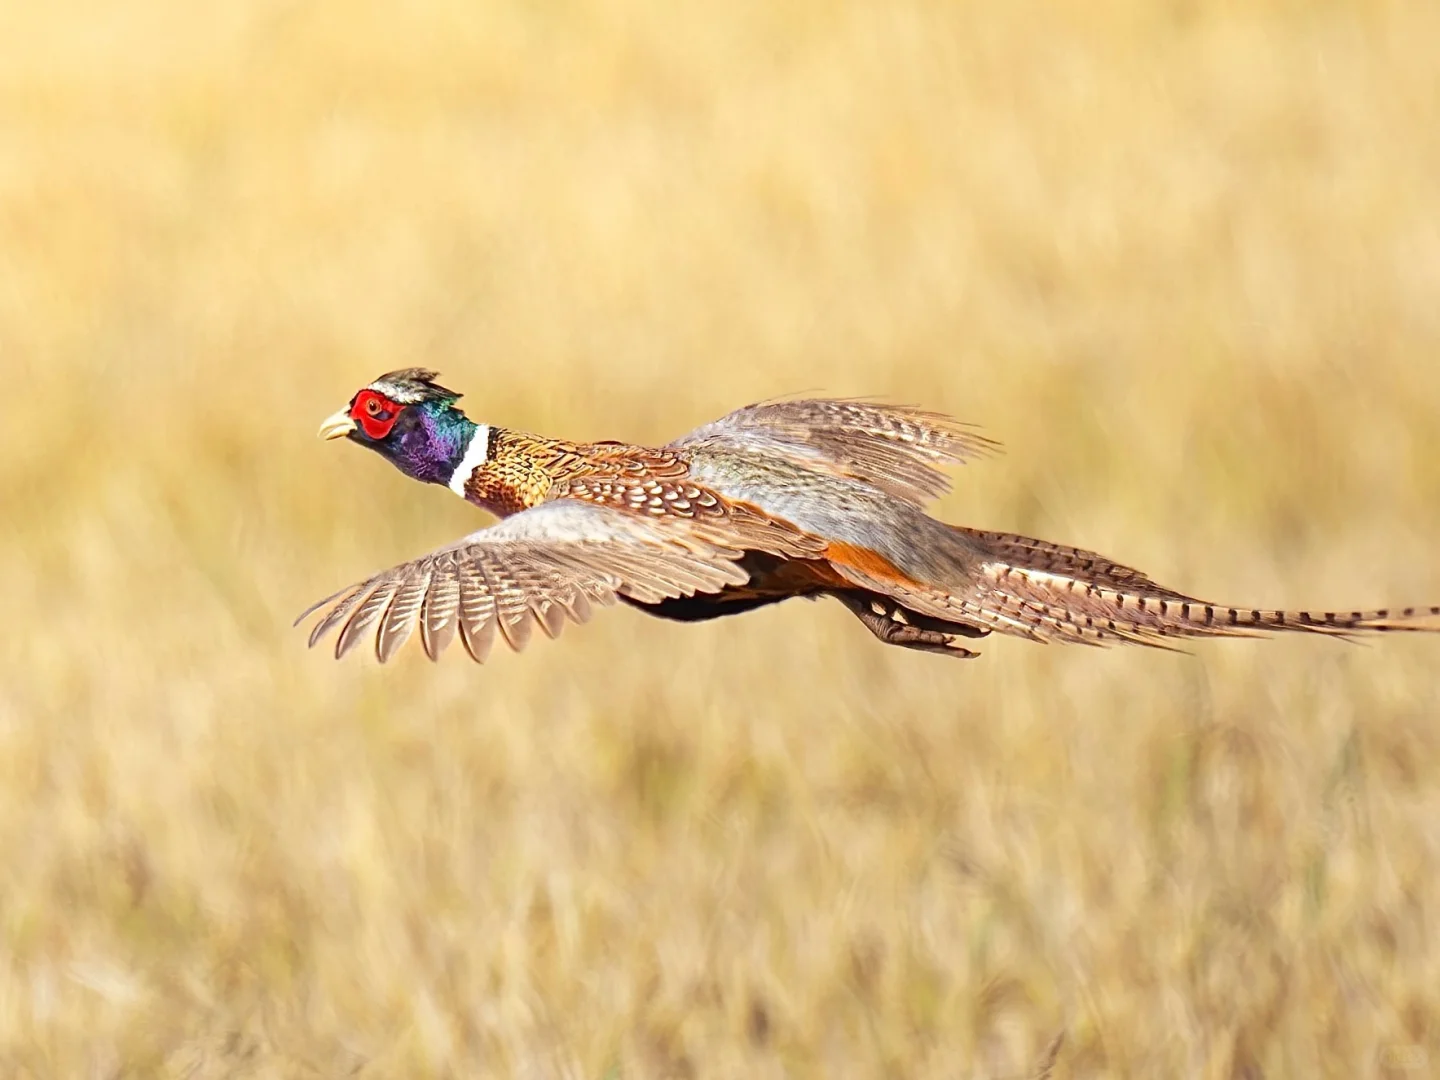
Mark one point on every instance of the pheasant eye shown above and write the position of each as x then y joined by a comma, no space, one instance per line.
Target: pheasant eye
373,407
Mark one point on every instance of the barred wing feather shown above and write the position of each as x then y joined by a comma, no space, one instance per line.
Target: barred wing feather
897,448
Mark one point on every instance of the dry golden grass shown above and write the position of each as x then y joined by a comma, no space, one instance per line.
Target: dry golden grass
1184,259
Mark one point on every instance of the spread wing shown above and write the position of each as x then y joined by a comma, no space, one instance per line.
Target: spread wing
897,448
539,567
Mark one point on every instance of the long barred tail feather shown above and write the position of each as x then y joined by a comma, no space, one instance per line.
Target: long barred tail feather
1069,609
1049,593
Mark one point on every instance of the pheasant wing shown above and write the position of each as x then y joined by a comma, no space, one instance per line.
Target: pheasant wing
897,448
543,566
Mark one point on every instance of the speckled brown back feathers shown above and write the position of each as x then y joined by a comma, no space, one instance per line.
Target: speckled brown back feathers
520,471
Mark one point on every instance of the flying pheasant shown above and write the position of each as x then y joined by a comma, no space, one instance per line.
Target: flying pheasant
782,499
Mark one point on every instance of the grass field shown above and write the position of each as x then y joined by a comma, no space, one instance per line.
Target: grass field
1183,259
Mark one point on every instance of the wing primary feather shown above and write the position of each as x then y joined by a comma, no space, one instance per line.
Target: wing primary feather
400,617
477,612
438,616
577,605
356,587
339,611
550,613
365,615
513,611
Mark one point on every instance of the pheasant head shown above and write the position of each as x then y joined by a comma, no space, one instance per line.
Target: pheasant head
410,419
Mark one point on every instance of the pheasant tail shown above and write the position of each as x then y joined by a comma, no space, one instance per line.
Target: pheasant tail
1047,592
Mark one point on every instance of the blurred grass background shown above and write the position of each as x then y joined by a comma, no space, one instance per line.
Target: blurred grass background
1182,258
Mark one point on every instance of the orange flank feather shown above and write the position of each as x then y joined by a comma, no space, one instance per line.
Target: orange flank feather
869,564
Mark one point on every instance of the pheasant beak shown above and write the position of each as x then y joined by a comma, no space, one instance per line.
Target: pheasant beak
337,426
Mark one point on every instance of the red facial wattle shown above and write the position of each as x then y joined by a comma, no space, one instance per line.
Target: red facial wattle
375,413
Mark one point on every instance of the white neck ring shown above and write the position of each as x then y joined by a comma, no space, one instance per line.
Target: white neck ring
475,455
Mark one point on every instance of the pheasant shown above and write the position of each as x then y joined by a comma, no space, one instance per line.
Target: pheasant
775,500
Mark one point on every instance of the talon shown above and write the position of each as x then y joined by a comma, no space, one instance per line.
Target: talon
953,644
